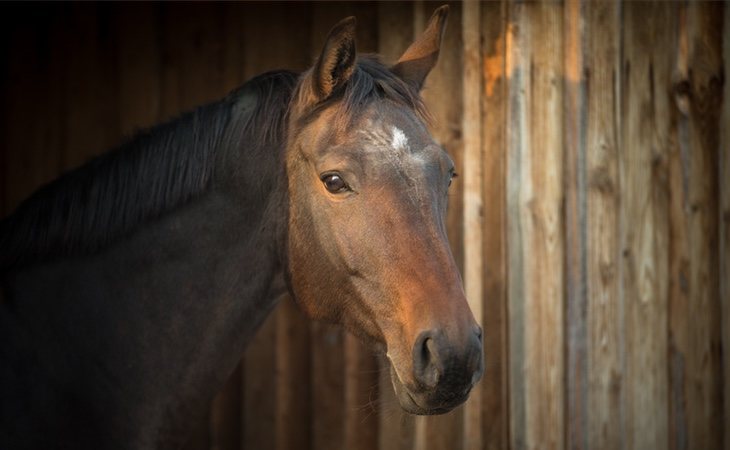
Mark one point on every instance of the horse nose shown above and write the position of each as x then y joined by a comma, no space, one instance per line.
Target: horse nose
427,364
434,355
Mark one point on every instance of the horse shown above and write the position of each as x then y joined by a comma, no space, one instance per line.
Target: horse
131,285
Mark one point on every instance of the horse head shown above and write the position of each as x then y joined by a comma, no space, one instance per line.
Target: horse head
366,243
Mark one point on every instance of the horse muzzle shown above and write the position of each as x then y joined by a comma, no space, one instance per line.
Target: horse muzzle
443,372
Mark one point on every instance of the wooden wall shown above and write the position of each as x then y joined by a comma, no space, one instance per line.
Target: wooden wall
591,221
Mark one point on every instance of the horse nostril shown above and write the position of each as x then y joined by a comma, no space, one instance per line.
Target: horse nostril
426,364
478,332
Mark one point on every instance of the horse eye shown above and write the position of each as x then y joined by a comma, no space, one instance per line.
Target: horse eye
453,175
334,183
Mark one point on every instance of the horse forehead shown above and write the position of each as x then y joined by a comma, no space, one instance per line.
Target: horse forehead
394,137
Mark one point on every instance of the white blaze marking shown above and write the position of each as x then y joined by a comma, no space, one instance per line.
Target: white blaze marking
399,141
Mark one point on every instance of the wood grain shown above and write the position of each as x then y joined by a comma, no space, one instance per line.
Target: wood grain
644,235
696,409
494,399
724,225
535,230
575,226
472,221
603,316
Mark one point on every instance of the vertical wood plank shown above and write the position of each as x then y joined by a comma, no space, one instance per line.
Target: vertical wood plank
535,230
328,387
91,126
644,216
724,224
472,221
361,391
603,316
225,415
695,360
292,378
138,65
575,236
260,389
34,136
494,401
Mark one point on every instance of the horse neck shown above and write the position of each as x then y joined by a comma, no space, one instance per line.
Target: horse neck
152,325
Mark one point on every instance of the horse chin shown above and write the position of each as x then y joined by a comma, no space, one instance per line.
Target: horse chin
419,403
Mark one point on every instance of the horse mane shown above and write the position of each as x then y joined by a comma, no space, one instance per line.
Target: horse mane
167,166
371,80
155,172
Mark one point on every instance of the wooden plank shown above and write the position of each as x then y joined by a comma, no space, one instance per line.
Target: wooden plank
260,388
695,362
575,222
361,391
292,377
328,387
34,136
724,224
266,21
473,217
225,414
644,235
494,401
138,65
535,228
603,333
395,29
91,126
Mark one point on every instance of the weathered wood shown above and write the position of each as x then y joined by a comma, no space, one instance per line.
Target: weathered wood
724,225
138,65
644,237
33,138
225,414
576,345
535,228
602,123
292,377
361,393
91,125
328,387
472,221
695,360
494,402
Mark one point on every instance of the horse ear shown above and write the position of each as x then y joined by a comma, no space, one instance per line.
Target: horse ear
416,63
337,61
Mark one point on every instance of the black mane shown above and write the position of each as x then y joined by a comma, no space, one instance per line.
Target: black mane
157,171
169,165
